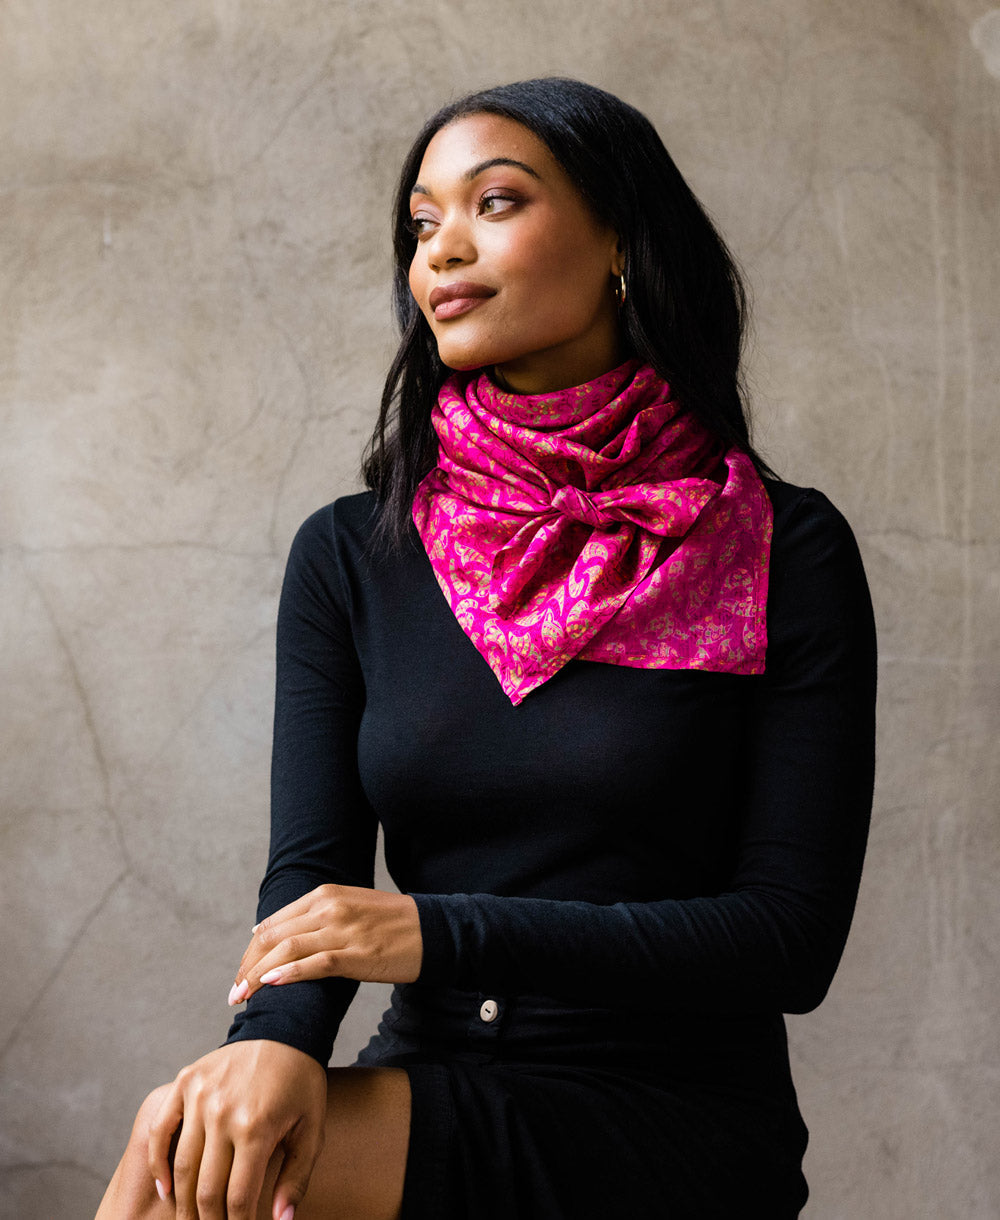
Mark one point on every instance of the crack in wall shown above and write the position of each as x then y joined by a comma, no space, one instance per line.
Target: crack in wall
309,405
103,768
26,1017
175,903
321,76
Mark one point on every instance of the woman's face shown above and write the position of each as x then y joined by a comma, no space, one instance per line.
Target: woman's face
512,269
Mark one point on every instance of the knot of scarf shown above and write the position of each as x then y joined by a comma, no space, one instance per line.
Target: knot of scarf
596,510
601,522
668,514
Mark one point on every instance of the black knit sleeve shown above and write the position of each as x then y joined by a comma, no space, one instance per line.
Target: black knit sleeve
322,827
773,938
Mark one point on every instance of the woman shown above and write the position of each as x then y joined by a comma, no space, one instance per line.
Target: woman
609,692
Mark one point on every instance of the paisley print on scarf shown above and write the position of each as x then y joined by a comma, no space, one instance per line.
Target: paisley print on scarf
601,522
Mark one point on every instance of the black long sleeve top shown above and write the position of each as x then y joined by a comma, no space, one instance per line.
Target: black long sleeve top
670,839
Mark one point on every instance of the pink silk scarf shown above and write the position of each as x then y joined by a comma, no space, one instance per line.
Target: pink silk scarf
600,522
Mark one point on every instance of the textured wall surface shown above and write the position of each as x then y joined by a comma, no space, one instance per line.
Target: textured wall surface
194,325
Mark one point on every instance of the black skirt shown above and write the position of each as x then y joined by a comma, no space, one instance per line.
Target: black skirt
524,1108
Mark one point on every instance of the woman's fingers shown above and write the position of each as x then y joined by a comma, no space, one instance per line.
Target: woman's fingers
321,965
303,956
302,1147
187,1166
305,907
271,937
211,1134
213,1176
296,917
161,1133
358,933
246,1181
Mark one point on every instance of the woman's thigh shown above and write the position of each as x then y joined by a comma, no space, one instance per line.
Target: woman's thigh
359,1172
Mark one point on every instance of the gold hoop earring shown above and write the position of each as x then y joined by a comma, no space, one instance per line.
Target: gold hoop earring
621,291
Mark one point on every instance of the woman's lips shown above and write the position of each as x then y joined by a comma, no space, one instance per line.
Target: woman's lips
453,300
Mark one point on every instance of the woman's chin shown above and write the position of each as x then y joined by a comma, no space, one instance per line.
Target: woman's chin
463,353
465,365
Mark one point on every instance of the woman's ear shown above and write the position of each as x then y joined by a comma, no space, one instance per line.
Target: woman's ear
618,258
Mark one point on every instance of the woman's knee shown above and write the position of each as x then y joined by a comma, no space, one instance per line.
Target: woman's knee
147,1113
136,1158
131,1191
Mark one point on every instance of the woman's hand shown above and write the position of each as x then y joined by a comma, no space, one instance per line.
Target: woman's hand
340,930
234,1107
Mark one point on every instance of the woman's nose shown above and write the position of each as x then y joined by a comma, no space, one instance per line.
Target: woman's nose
450,244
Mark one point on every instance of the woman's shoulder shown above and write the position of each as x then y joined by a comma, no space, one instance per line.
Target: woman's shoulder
352,514
806,521
817,580
341,539
790,500
338,529
329,558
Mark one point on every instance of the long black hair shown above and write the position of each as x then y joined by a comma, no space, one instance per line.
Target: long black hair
685,309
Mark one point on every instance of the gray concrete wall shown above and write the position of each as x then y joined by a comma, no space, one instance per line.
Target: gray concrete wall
193,330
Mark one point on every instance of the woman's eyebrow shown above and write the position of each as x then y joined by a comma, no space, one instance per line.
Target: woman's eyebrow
485,165
481,167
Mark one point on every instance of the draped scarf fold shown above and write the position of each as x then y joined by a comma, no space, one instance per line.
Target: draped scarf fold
601,522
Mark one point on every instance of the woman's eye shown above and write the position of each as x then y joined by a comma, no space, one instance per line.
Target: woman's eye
494,205
419,226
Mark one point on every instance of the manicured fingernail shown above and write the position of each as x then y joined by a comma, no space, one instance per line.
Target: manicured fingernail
272,976
254,928
288,1213
238,992
161,1190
